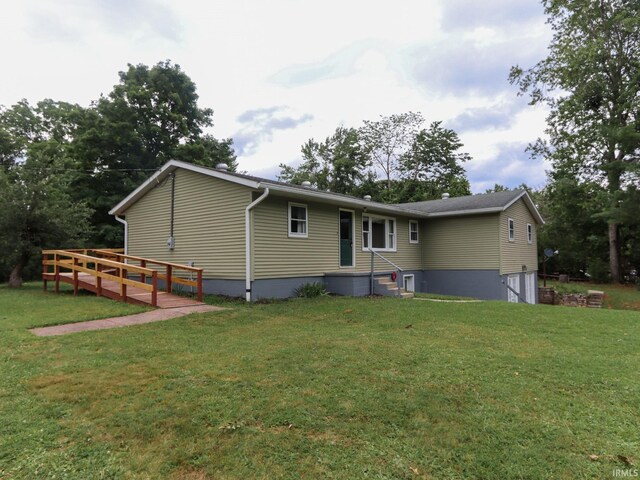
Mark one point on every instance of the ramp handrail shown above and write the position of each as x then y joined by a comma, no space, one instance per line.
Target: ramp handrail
107,269
169,268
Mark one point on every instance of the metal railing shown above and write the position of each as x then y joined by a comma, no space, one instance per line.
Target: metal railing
398,279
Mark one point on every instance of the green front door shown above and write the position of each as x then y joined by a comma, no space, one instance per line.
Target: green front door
346,238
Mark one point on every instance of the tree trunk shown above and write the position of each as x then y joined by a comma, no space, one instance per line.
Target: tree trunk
614,252
15,278
613,176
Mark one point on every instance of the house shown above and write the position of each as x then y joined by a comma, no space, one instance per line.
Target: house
262,238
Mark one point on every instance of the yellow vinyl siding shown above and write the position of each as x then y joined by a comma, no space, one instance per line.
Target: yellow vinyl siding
407,256
208,224
276,255
461,243
519,252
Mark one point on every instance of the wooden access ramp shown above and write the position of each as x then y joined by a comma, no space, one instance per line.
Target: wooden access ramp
112,274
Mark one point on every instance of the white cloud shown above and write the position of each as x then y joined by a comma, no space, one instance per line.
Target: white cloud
325,64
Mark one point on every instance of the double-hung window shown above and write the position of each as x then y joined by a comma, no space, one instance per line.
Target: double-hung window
511,229
378,233
298,220
413,231
529,233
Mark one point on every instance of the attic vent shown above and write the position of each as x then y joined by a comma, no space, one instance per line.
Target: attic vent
222,166
367,198
445,195
306,184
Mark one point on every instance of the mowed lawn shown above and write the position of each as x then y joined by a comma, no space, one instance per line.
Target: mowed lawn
326,388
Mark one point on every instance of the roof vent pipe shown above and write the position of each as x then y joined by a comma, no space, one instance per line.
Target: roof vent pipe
306,184
367,198
445,195
222,166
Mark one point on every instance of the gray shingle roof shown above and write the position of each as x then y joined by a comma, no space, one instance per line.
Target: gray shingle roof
472,204
469,203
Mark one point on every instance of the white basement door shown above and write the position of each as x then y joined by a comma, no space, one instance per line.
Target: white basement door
514,282
530,287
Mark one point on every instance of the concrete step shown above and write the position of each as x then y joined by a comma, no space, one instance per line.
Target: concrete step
388,287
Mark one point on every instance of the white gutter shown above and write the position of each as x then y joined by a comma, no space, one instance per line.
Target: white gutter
126,233
247,240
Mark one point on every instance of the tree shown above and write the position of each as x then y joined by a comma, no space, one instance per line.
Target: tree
591,82
388,139
433,166
36,210
150,117
338,164
572,225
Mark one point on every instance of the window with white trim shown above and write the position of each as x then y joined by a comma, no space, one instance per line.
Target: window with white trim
413,231
379,233
511,227
529,233
298,220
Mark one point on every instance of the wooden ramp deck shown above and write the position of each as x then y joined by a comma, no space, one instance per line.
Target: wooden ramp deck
114,275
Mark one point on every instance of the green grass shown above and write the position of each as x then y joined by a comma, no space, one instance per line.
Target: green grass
437,296
329,387
618,297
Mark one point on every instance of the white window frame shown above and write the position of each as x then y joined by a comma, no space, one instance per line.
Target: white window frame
387,234
511,229
529,233
412,278
306,220
417,224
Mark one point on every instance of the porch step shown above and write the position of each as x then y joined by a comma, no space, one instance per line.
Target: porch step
387,287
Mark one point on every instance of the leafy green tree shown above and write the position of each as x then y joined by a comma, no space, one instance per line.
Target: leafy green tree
572,225
591,82
36,210
433,166
150,117
497,188
387,140
338,164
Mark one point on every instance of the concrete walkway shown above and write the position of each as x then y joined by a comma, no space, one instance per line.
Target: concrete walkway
137,319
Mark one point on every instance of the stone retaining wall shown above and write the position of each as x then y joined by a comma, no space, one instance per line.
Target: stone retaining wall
548,296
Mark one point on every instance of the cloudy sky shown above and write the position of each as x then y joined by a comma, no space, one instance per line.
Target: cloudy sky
279,72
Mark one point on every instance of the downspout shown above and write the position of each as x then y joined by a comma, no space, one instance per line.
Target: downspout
126,233
247,240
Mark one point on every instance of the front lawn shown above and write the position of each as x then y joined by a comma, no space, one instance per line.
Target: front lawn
331,387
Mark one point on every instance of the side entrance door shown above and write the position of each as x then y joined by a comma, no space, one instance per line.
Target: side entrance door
514,282
346,238
530,287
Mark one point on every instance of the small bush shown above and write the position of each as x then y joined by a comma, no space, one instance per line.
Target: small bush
311,290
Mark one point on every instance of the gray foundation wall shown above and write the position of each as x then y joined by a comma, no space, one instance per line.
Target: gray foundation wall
484,284
230,288
279,287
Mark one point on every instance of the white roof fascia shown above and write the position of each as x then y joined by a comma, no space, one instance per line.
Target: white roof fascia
532,207
167,168
320,195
